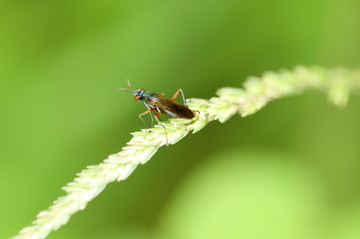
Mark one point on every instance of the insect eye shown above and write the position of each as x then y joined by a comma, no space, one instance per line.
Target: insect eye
139,94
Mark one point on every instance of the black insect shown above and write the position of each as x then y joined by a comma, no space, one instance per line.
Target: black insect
162,105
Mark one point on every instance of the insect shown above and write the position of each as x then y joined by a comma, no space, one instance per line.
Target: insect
162,105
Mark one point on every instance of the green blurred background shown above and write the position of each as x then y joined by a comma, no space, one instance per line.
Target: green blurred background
291,170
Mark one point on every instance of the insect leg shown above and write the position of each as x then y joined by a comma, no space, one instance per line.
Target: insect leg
156,116
144,113
152,119
177,94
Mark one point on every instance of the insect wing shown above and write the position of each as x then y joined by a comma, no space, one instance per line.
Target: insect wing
176,110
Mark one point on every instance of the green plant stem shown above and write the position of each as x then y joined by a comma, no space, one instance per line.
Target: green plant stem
257,92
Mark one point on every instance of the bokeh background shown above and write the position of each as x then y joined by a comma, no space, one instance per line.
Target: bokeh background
291,170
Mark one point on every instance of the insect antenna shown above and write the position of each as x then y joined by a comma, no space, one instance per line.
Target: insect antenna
128,89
